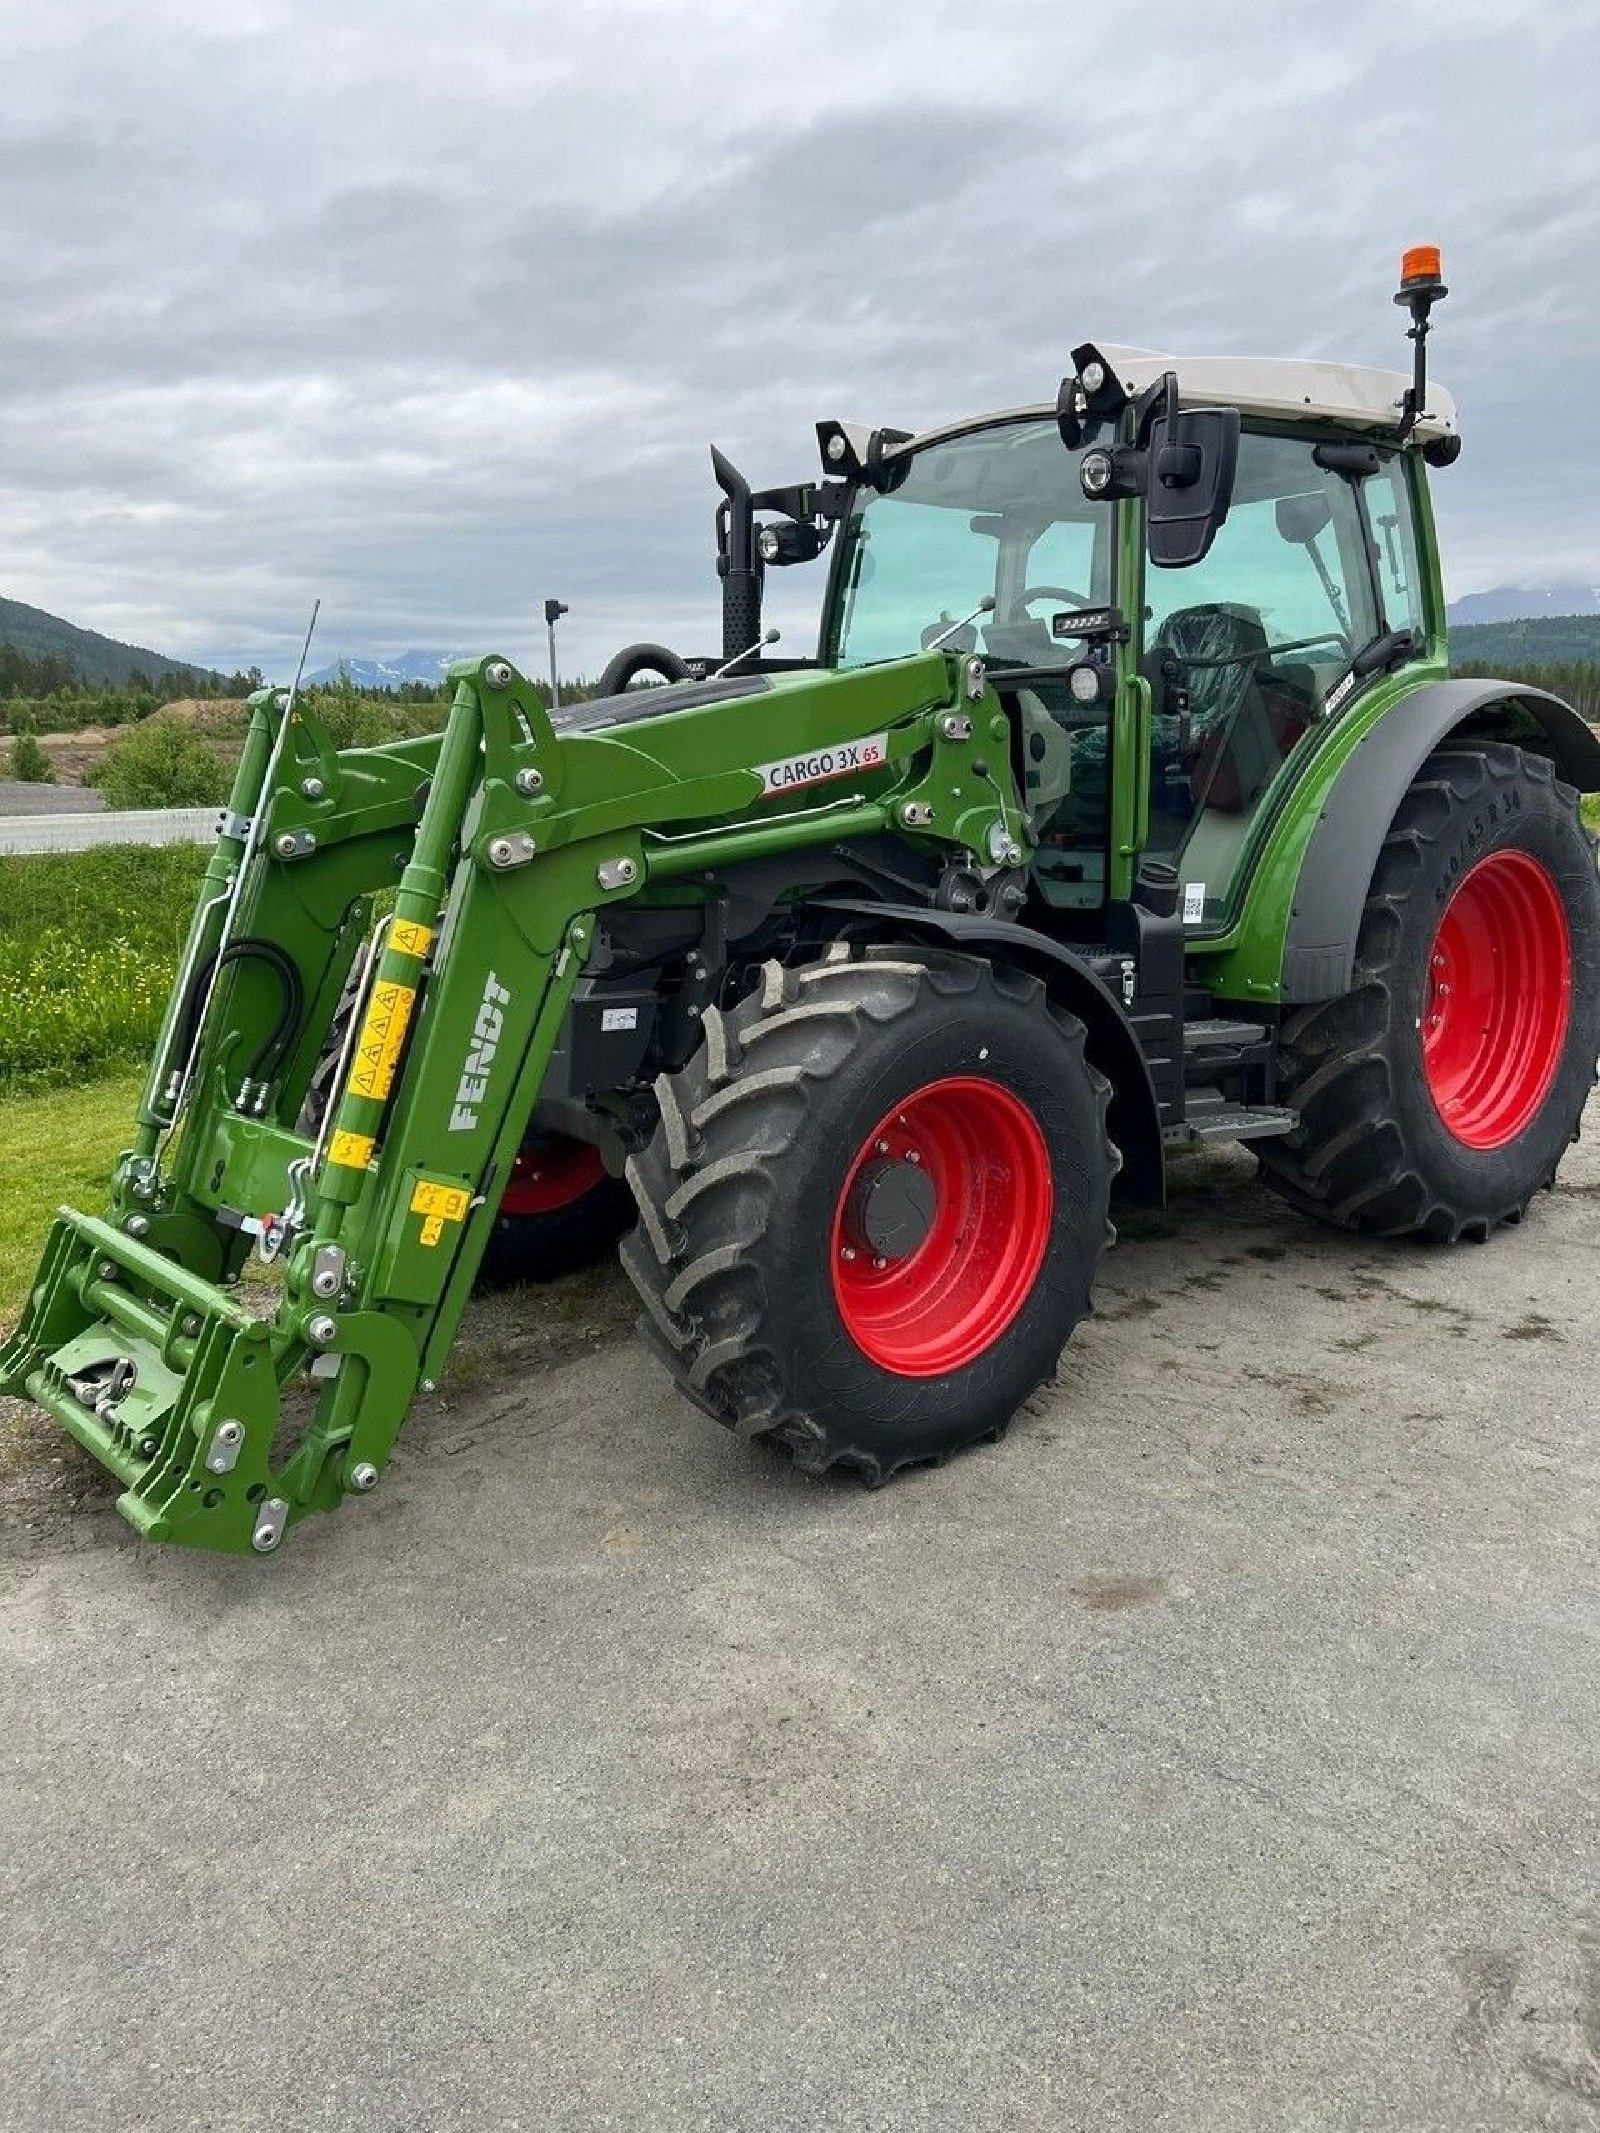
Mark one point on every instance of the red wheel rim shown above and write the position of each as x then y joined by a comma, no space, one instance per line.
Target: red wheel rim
551,1174
967,1159
1499,993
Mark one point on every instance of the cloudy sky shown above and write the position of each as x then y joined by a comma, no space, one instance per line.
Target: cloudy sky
431,310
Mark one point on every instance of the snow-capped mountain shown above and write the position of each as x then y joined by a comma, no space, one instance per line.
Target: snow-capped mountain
388,673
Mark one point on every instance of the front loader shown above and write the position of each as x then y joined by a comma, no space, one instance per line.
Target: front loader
1128,803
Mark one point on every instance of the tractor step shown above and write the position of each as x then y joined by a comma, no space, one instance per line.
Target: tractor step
1209,1116
1213,1044
1216,1033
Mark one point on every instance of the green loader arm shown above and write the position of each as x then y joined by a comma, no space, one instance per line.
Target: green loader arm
503,841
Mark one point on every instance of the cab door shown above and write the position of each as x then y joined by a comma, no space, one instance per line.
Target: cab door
1240,651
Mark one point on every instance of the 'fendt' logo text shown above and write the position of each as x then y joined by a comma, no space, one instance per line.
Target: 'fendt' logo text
475,1074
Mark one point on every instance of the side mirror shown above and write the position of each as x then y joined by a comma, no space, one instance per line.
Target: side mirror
1189,470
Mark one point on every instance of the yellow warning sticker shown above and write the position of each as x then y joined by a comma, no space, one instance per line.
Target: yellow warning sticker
353,1151
429,1197
382,1035
438,1204
411,939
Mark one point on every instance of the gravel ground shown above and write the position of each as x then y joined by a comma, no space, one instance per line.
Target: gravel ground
1219,1751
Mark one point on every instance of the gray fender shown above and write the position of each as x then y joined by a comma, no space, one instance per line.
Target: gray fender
1113,1048
1337,870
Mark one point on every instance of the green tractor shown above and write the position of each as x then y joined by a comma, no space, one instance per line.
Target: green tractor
1127,803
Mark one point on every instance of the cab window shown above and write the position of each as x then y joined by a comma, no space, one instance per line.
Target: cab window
1394,536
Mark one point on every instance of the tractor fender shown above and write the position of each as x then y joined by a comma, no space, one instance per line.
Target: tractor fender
1337,870
1113,1048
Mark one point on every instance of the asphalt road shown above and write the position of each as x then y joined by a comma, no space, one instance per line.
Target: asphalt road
1220,1751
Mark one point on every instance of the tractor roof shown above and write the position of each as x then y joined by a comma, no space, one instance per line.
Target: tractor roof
1286,388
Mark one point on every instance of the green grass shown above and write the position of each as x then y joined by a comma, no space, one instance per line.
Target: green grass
89,945
57,1145
1591,811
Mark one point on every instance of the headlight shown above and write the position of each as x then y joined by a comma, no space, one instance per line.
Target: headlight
1095,472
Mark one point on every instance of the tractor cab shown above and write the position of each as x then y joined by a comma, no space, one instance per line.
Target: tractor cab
1160,683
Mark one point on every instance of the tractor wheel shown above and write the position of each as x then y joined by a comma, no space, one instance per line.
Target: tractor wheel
1439,1094
872,1211
560,1210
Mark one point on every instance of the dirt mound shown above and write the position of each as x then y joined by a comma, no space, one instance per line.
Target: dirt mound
76,754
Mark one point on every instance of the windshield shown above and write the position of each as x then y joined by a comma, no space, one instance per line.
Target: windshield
995,513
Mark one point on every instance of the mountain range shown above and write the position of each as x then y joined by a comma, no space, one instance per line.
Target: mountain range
392,673
102,662
1523,603
1521,623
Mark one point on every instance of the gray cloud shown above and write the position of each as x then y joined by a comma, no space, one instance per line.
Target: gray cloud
433,310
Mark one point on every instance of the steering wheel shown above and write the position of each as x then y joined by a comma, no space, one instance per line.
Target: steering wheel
1053,592
636,659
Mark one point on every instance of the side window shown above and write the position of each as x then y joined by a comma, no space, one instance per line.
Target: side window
1394,533
1241,651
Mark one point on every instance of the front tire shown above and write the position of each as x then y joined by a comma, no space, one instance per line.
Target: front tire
1440,1093
561,1210
873,1209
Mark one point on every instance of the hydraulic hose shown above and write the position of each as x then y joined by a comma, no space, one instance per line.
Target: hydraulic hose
270,1056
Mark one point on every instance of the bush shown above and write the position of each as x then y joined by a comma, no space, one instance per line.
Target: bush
353,720
162,763
89,944
29,763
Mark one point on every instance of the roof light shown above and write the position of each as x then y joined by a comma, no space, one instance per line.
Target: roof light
1420,263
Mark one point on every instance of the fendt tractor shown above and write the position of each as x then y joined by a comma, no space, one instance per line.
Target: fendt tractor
1127,804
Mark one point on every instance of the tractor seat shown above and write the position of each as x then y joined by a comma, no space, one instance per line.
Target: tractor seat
1240,726
1219,647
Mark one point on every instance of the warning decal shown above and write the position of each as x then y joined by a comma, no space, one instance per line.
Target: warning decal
438,1204
411,939
351,1151
382,1035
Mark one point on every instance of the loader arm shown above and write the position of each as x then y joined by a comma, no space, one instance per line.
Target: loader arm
228,1405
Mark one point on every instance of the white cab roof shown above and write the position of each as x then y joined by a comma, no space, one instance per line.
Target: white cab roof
1282,387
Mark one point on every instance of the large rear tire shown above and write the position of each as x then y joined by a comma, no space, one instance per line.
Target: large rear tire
1440,1093
872,1212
